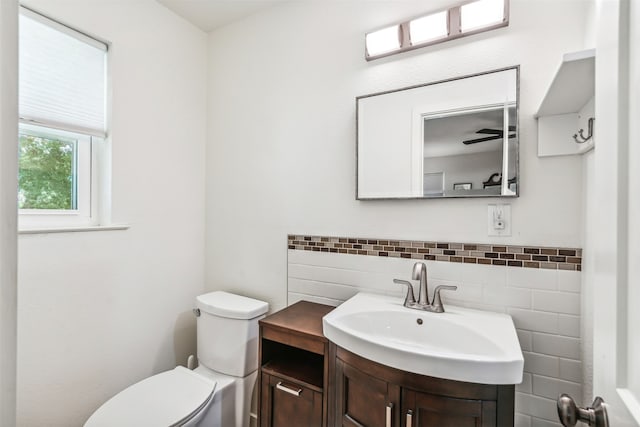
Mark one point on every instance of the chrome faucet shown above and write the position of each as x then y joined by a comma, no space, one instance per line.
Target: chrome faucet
409,300
420,273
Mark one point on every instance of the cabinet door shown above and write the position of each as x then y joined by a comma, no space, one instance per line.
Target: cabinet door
428,410
364,401
286,404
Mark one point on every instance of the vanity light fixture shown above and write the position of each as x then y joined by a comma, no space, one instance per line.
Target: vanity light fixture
481,14
429,28
383,41
458,21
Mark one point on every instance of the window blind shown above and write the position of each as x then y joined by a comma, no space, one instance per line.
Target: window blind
62,76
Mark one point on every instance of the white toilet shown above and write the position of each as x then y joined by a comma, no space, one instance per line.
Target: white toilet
215,394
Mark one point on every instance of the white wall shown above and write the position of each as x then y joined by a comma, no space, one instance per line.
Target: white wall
8,206
99,311
473,168
281,142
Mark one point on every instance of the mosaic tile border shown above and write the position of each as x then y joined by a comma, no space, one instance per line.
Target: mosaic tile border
467,253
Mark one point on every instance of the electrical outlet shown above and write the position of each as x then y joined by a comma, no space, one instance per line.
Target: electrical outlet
499,220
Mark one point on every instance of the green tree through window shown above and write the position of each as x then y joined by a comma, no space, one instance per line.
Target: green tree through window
46,176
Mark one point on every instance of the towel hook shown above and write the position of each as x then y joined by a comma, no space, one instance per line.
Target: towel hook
580,133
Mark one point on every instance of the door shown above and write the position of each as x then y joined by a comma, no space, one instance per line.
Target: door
428,410
616,227
364,401
286,404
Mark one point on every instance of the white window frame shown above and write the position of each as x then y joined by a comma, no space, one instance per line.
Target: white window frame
86,179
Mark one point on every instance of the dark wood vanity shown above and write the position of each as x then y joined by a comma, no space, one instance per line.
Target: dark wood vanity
294,368
371,394
307,381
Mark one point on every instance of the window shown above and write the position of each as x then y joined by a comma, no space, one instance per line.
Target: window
55,177
62,123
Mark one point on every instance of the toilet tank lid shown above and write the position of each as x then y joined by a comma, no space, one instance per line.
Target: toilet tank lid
231,306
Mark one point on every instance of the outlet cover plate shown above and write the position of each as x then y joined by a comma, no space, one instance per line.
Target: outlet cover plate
499,220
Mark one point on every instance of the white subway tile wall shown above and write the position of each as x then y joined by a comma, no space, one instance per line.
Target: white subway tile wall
571,370
544,305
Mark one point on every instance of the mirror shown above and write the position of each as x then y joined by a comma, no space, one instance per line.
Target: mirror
442,139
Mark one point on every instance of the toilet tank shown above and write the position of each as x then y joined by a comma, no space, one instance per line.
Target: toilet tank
228,332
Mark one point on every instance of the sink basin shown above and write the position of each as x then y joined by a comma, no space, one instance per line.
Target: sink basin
460,344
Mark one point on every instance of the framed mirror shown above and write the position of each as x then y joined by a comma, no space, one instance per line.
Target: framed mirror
451,138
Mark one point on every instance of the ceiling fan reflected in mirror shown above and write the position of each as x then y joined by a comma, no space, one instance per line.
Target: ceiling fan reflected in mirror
495,134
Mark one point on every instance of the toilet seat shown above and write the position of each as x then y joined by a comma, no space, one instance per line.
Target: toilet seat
171,398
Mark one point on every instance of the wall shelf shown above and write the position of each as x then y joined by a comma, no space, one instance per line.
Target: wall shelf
567,106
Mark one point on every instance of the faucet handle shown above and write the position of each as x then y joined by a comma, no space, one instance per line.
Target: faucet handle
410,298
437,301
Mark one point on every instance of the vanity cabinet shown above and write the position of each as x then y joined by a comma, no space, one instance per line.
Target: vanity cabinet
424,409
362,398
295,384
373,395
287,403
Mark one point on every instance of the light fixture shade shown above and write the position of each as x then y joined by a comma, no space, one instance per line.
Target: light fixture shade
429,28
383,41
482,13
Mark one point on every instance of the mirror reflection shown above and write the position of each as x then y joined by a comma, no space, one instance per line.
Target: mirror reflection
445,139
463,152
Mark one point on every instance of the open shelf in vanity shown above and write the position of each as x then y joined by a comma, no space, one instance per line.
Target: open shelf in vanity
293,364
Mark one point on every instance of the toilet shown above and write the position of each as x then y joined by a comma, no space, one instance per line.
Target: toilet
215,394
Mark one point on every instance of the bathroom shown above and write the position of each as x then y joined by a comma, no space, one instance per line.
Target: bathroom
226,141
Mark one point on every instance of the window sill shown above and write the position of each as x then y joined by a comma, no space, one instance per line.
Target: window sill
48,230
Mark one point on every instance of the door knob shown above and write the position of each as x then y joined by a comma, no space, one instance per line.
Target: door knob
569,413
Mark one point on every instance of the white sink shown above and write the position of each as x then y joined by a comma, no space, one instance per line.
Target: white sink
460,344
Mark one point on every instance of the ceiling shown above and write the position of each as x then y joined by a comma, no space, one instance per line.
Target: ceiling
443,136
211,14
